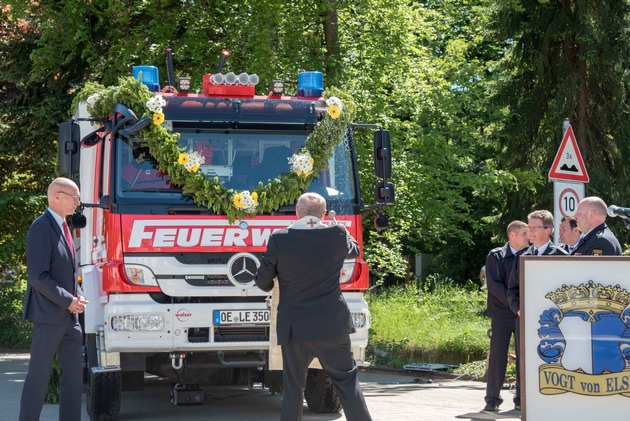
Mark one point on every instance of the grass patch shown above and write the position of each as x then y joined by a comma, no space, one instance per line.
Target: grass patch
444,324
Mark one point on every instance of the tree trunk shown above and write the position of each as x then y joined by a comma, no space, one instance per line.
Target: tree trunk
331,37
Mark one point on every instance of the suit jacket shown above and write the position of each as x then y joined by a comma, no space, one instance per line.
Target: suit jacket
308,263
513,283
51,273
499,265
599,241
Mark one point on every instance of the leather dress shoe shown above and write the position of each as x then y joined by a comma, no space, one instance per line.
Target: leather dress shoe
491,407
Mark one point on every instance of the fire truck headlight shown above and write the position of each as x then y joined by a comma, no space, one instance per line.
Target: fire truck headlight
137,323
359,320
140,275
346,271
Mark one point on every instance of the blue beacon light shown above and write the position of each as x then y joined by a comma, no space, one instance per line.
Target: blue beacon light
149,77
310,84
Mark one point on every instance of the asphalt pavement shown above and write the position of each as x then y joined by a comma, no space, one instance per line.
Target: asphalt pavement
390,396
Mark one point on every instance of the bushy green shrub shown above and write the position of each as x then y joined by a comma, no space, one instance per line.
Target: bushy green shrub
17,211
435,322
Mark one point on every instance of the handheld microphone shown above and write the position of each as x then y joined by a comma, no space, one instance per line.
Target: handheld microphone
332,215
623,213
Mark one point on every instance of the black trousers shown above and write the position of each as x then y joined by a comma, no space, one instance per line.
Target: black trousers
335,356
48,340
502,330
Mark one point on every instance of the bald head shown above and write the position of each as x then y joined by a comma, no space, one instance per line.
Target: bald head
63,195
591,212
311,204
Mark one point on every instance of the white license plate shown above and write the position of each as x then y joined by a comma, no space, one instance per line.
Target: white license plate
239,317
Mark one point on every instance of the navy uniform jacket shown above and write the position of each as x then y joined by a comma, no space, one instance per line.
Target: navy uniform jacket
499,265
600,241
51,271
513,284
307,263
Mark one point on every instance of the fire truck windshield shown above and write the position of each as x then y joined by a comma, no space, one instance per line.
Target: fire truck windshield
239,158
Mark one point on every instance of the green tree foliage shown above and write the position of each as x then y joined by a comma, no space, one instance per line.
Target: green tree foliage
561,60
473,92
421,69
418,68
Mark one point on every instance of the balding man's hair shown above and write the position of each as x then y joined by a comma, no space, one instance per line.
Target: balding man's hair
596,204
515,226
60,183
544,215
311,204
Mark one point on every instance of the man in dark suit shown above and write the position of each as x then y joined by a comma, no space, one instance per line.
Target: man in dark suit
540,227
313,318
53,302
569,234
499,265
597,239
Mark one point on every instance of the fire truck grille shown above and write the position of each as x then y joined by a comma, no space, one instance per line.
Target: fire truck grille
241,333
210,281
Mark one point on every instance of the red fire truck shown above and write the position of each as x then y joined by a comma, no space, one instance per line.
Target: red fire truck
171,283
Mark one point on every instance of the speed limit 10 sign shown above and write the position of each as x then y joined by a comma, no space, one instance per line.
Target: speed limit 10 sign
566,198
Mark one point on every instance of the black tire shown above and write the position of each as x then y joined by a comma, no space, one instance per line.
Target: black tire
222,377
319,392
103,395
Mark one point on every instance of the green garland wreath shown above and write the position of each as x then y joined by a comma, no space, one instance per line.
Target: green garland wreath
209,192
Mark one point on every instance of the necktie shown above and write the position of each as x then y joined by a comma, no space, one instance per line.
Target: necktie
536,252
66,233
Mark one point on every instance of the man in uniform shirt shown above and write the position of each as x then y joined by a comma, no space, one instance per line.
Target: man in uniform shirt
499,264
597,239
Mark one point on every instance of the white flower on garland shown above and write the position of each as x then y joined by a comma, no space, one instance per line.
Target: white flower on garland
155,104
92,99
333,100
301,164
191,161
335,106
246,201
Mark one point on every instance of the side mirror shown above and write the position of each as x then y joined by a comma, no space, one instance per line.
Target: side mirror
381,222
68,152
136,127
93,138
384,192
382,154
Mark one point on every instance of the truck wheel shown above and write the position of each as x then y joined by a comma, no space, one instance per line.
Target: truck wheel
222,377
103,396
319,392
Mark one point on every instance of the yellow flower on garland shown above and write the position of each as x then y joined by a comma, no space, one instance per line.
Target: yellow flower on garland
246,201
334,111
158,118
183,159
334,107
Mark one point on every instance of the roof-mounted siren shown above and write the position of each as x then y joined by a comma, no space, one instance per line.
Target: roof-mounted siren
310,84
230,84
149,77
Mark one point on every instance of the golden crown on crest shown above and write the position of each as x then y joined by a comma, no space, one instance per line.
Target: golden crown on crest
590,298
